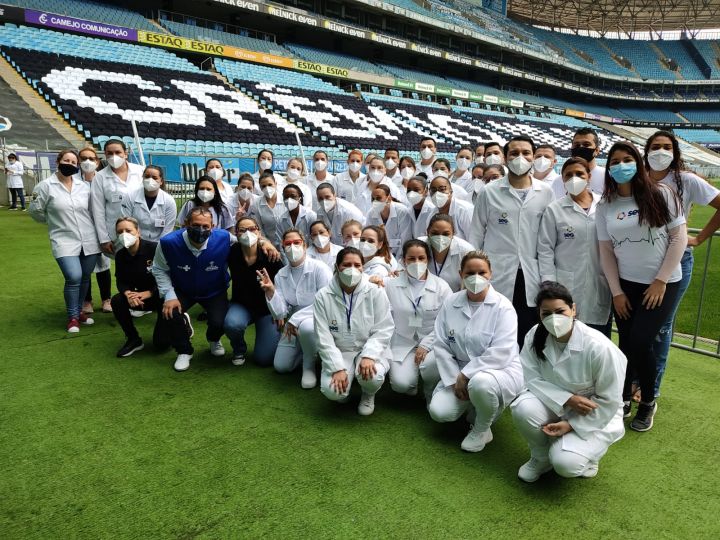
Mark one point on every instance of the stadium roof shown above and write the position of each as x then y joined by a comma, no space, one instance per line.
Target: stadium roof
623,16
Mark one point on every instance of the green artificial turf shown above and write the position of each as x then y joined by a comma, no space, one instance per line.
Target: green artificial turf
97,447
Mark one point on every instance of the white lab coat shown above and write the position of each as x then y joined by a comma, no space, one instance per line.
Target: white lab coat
14,177
313,183
461,212
342,211
307,192
414,324
227,194
294,301
450,269
155,222
568,253
506,228
377,266
68,216
363,195
590,366
305,218
484,341
369,330
398,228
346,188
326,258
108,194
269,218
279,183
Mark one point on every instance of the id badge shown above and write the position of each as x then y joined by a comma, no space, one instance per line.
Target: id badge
394,243
159,222
415,320
116,197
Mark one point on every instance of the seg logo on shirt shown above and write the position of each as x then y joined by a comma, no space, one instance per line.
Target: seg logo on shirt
503,220
623,215
451,336
569,233
212,267
334,326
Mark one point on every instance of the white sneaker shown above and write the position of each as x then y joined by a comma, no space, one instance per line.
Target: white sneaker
475,441
367,404
534,469
137,314
238,360
591,470
182,362
309,379
216,348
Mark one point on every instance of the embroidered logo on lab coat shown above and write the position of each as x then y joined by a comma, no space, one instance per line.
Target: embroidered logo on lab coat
503,220
212,267
451,336
569,233
334,326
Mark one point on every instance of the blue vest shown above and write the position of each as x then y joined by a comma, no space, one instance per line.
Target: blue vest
198,277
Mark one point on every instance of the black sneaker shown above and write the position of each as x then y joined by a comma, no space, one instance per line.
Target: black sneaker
203,316
131,346
643,420
627,409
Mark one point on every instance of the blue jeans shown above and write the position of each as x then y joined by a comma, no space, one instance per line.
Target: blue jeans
661,347
238,318
77,271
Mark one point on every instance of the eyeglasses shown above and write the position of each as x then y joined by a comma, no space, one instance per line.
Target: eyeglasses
247,229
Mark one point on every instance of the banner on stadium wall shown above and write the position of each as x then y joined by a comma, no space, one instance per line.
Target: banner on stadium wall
12,13
573,112
62,22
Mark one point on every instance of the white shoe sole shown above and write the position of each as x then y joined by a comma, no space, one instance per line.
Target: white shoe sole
477,448
136,349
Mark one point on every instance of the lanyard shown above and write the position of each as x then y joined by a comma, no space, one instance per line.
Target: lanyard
438,272
416,305
348,311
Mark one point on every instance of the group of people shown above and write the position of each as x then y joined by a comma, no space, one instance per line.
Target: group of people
488,283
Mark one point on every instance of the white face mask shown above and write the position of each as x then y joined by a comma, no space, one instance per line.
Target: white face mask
291,204
475,283
417,269
390,164
320,165
440,242
478,184
293,174
321,241
354,166
426,153
150,184
407,173
205,195
494,159
440,199
414,197
245,194
294,253
542,164
479,160
440,174
558,324
353,242
216,174
328,204
116,161
127,239
575,186
367,249
519,165
248,239
88,166
378,206
265,164
376,175
462,163
350,277
659,160
269,192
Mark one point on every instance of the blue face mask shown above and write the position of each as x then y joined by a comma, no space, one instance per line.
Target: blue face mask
622,173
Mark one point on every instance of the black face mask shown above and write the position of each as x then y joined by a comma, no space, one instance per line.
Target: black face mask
67,170
588,154
198,235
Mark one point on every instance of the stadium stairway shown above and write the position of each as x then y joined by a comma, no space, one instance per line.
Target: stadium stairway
611,54
662,57
65,132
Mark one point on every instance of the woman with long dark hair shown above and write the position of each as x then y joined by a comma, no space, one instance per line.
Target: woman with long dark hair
642,235
665,164
207,196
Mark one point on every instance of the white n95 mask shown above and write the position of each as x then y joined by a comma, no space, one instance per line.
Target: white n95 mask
88,166
291,204
265,164
367,249
439,199
414,197
244,194
205,195
426,153
320,165
659,160
462,163
407,173
350,277
558,324
440,242
575,186
216,174
269,192
493,159
390,164
116,161
127,239
541,164
354,166
417,269
519,165
328,204
475,283
321,240
294,253
150,184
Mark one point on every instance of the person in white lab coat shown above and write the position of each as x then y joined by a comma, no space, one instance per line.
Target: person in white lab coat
428,147
375,177
416,195
446,250
568,248
269,208
208,197
320,175
392,166
585,144
215,170
407,169
505,225
63,202
290,300
415,297
443,201
14,170
245,196
393,216
442,167
346,185
353,326
377,258
462,175
335,211
571,410
544,162
476,353
296,214
265,160
321,248
109,188
153,208
494,154
351,232
295,175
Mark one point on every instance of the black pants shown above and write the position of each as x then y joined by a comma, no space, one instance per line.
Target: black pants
637,335
527,316
121,310
104,284
216,308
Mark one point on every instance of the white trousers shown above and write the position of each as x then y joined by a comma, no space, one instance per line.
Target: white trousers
291,351
404,375
351,360
530,414
485,397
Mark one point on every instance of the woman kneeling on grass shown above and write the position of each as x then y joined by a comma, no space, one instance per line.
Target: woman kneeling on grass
572,409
